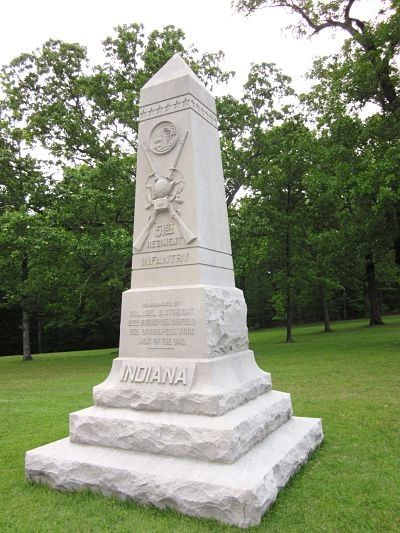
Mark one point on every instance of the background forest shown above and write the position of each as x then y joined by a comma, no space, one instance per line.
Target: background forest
312,180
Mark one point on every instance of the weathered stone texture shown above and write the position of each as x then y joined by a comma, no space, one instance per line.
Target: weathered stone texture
226,313
237,493
224,438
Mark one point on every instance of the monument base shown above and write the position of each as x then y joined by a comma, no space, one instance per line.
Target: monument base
236,494
212,387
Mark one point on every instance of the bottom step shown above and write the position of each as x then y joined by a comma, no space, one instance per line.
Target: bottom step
236,494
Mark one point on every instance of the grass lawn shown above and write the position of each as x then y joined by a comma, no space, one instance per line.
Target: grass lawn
349,378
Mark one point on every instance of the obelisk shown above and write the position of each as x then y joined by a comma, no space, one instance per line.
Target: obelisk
185,419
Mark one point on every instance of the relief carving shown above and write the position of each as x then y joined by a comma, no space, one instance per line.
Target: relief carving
163,137
178,104
163,191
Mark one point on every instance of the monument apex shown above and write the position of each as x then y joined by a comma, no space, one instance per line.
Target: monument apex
175,78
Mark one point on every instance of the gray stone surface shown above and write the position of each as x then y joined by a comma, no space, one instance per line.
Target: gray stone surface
223,438
237,493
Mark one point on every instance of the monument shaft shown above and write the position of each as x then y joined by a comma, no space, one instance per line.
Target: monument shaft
185,418
181,222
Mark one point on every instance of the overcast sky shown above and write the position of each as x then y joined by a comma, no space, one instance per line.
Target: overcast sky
209,24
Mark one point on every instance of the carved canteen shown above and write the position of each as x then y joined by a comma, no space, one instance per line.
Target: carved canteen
163,137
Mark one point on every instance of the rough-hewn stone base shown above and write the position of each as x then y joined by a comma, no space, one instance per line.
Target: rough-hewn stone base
237,493
224,438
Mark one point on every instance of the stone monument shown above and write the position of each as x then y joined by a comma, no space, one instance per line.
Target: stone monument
185,419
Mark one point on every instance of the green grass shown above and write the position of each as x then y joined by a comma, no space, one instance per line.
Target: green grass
349,378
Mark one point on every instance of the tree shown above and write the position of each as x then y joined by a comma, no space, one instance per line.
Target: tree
236,128
332,239
364,72
274,149
248,230
362,171
87,114
286,161
24,194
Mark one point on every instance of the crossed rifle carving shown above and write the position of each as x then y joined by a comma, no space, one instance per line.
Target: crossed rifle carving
160,196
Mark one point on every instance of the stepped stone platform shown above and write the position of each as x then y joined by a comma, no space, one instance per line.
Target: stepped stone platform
186,419
236,494
224,438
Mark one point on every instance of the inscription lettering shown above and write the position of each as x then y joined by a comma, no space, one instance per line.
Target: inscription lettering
168,241
165,229
163,324
154,374
171,259
166,237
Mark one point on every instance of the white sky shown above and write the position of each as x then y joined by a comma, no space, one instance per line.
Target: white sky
209,24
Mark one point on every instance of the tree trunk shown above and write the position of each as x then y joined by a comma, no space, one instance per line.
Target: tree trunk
26,341
288,252
344,304
289,337
299,315
397,251
39,333
396,242
325,309
373,293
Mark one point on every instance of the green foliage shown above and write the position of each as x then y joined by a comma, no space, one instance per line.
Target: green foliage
352,186
94,208
65,242
236,127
